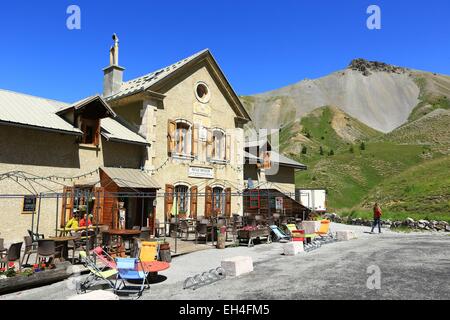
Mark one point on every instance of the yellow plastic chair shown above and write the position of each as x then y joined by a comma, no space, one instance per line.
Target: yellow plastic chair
149,251
324,228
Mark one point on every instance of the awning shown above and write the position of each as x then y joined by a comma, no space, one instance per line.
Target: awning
131,178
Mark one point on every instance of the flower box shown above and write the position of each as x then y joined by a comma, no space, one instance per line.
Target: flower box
23,282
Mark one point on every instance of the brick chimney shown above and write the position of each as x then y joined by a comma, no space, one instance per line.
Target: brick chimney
113,74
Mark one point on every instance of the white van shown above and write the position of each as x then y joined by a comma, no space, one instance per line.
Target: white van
313,199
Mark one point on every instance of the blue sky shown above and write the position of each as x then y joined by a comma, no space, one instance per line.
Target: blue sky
260,45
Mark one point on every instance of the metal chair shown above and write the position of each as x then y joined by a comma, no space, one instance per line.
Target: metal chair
159,228
74,245
12,255
201,229
185,228
30,248
145,233
46,249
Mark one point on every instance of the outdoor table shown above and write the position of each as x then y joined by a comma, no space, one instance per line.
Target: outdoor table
62,242
122,234
63,231
154,266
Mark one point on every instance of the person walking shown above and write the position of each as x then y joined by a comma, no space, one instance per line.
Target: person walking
376,217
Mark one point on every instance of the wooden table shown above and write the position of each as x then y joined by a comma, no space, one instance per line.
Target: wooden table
63,231
63,243
122,234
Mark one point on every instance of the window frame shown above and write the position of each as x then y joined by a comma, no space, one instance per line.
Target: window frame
222,200
221,143
186,152
177,198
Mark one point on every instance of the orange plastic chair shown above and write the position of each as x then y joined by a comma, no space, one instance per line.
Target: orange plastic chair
149,251
324,228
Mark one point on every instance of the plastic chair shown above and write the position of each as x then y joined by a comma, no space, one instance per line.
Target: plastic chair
201,229
30,249
97,274
149,251
12,255
127,270
46,249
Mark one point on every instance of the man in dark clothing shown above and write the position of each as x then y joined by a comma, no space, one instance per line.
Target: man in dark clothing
376,217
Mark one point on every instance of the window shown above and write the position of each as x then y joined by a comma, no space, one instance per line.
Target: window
91,131
218,200
181,194
202,92
29,204
218,145
179,138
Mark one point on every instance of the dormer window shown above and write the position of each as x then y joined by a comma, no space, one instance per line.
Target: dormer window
91,131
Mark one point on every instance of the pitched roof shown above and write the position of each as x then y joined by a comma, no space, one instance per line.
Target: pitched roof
24,110
130,178
145,82
282,160
20,109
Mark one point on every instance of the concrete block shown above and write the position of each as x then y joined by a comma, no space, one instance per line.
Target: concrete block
345,235
293,248
309,226
96,295
237,266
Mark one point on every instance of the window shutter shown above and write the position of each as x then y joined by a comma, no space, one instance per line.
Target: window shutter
208,201
209,144
83,129
168,201
194,148
228,147
171,129
228,202
99,204
67,205
97,133
193,205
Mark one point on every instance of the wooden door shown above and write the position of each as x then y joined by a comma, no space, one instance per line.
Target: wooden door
99,204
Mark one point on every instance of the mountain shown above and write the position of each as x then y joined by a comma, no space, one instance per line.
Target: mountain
379,95
371,132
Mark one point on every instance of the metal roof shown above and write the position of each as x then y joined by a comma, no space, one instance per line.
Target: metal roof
131,178
114,131
20,109
282,160
143,83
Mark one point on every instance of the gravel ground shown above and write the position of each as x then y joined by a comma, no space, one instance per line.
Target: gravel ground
412,265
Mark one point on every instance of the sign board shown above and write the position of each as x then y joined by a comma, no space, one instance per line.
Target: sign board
201,172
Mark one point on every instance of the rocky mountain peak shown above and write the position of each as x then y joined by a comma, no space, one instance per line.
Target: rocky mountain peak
365,67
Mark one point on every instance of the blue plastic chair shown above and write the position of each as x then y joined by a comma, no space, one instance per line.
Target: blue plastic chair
127,271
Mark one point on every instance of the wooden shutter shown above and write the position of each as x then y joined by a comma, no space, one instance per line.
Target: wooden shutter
67,205
194,141
228,202
171,129
208,201
209,144
97,133
228,147
99,205
193,205
168,201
